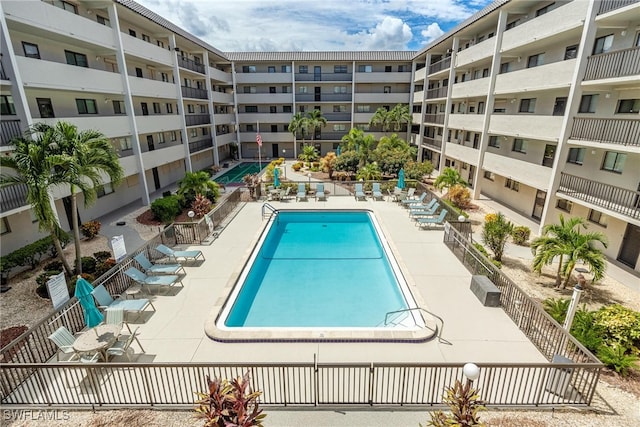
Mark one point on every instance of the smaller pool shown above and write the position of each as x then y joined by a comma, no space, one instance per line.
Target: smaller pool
235,174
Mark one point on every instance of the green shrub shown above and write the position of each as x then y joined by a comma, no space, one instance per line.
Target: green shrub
617,358
557,308
53,266
31,254
495,234
621,326
90,229
460,196
448,206
520,235
585,330
418,170
104,266
88,264
347,162
102,255
166,209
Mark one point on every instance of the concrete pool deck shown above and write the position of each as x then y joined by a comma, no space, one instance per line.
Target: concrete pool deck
175,332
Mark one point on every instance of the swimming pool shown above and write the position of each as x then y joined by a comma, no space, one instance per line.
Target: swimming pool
236,173
319,270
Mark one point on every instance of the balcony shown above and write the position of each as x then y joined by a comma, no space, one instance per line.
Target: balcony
13,197
556,75
432,143
375,77
471,88
609,5
197,119
434,118
338,117
609,131
331,136
158,123
440,65
531,174
200,145
324,77
194,92
621,63
461,152
544,128
190,64
390,98
9,129
311,97
151,88
439,92
473,122
50,75
219,75
475,53
609,197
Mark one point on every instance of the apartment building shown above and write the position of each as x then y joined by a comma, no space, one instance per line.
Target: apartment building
536,103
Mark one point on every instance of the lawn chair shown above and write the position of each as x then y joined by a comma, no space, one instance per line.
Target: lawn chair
107,303
284,194
116,317
121,347
414,202
302,193
64,339
421,209
145,280
375,191
423,222
320,192
176,255
150,268
359,194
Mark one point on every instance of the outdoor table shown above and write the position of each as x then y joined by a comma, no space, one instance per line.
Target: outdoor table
97,339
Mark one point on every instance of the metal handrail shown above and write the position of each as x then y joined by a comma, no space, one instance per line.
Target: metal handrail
273,210
438,330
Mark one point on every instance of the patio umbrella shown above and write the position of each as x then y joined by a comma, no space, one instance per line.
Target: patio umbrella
276,177
92,316
401,183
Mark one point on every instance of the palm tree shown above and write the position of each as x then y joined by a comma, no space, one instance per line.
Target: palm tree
309,154
91,156
448,178
35,166
315,120
369,172
297,126
381,118
581,247
358,141
398,116
195,183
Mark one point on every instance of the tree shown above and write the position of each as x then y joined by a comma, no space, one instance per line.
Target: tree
328,163
90,156
381,118
309,154
448,178
369,172
358,141
315,120
398,116
495,233
34,164
297,126
581,248
195,183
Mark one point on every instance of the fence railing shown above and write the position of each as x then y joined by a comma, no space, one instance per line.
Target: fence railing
440,65
201,144
620,63
621,200
197,119
609,5
9,129
434,118
13,197
439,92
190,64
611,131
432,142
194,92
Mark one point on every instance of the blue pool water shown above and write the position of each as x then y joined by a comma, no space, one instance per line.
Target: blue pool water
318,269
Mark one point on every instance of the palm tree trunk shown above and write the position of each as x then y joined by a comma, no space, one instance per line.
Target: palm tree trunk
76,230
558,277
570,266
59,251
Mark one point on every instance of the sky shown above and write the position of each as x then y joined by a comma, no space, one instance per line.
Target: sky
315,25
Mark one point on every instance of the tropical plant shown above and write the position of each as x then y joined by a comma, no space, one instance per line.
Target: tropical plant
166,209
556,308
418,170
460,196
328,163
381,118
201,205
585,329
347,162
33,164
464,403
369,172
448,178
620,324
398,116
90,229
309,154
197,183
298,126
92,157
315,121
581,248
229,403
495,234
616,356
520,234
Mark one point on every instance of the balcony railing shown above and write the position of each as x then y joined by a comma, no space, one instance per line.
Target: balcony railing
323,77
439,92
13,197
319,97
432,143
200,145
611,131
612,198
3,75
440,65
194,92
197,119
190,64
621,63
434,118
326,136
343,117
9,129
609,5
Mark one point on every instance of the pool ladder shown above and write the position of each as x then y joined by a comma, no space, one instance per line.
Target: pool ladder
395,316
268,211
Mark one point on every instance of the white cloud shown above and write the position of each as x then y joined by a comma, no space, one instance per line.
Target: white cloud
389,34
432,32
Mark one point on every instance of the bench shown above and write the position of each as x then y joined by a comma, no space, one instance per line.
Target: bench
484,289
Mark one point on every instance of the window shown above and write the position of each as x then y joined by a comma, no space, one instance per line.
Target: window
286,89
519,145
156,108
603,44
164,77
193,132
248,68
613,162
387,89
190,109
481,107
274,128
403,68
69,7
249,89
139,72
535,60
102,20
494,141
571,52
77,59
512,185
250,108
272,89
271,69
160,43
86,106
104,189
273,109
388,68
251,128
304,89
363,108
4,226
597,217
626,106
489,175
512,24
146,38
45,107
286,108
302,108
173,135
339,127
564,205
169,108
285,68
588,104
6,105
123,143
365,68
203,109
576,155
31,50
545,9
132,33
205,131
505,67
339,68
118,107
637,44
527,105
339,108
339,89
161,139
303,69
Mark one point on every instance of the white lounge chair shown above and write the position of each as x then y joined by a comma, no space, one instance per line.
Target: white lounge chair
411,202
64,339
144,280
177,255
423,222
106,302
375,191
359,193
121,347
302,193
320,192
150,268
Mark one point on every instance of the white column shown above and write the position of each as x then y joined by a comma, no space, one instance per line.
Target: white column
235,108
214,137
452,75
294,106
411,92
181,112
